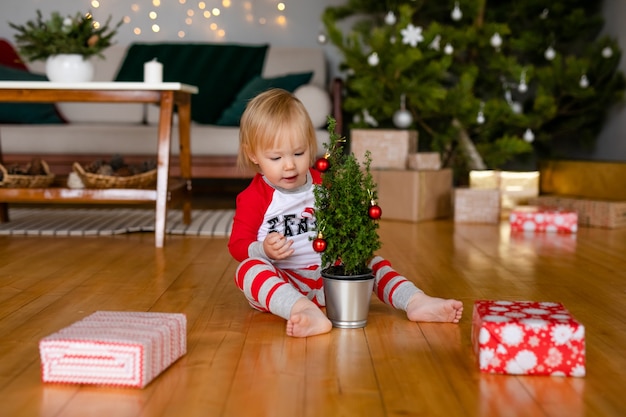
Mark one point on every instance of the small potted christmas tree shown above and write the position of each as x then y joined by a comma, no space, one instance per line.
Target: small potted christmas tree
346,214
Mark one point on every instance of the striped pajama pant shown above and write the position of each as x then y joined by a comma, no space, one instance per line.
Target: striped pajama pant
275,290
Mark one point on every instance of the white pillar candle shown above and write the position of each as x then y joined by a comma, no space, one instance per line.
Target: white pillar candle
153,72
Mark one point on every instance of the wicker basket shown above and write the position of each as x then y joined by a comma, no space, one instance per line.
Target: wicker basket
26,181
143,180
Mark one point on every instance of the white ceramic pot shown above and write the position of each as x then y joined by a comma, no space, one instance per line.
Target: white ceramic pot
69,68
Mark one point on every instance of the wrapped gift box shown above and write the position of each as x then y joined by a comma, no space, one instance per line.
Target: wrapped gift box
527,338
389,148
488,179
424,161
414,195
594,213
515,187
593,180
542,219
114,348
476,205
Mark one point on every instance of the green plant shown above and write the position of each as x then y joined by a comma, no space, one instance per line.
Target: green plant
78,34
343,210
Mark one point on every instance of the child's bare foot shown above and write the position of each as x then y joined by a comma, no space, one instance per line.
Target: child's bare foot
422,307
307,320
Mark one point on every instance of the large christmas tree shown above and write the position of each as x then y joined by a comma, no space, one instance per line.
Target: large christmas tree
482,81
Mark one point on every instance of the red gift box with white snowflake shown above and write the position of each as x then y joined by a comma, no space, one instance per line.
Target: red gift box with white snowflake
114,348
541,219
527,338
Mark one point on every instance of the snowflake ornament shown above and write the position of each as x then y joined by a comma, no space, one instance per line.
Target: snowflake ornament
412,35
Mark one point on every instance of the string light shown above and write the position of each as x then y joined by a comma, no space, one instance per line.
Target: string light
202,8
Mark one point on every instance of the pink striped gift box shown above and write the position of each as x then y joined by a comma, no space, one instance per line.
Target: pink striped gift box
114,348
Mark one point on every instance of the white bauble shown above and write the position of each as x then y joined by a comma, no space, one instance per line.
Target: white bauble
529,136
402,119
584,81
456,14
373,59
496,40
390,18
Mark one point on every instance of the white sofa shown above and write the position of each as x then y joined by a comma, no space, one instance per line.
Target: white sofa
96,130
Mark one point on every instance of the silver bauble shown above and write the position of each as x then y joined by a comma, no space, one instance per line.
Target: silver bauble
402,119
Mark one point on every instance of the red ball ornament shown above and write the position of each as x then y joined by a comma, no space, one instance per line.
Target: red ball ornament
375,212
319,244
322,165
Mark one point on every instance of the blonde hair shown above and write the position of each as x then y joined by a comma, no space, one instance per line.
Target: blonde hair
273,116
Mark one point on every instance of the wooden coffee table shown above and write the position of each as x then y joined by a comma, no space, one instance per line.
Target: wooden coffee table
166,95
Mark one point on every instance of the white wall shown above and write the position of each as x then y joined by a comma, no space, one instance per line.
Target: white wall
611,143
245,21
239,21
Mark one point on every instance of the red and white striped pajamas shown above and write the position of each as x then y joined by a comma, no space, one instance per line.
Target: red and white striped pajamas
275,286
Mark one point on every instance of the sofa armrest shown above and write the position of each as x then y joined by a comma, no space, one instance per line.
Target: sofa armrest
337,99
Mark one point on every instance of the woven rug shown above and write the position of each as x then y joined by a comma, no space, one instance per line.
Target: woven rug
51,221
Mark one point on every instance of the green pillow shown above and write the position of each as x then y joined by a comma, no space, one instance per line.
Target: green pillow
289,82
33,113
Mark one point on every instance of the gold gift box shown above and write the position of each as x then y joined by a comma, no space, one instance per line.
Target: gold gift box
516,188
585,179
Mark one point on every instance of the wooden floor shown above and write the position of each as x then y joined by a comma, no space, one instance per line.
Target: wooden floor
240,363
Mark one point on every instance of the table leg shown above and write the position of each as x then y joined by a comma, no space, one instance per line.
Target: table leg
184,129
163,165
4,212
4,207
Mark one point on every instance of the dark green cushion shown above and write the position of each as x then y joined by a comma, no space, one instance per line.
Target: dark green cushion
21,113
289,82
218,70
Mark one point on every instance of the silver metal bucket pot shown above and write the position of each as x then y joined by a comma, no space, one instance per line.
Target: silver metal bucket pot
348,299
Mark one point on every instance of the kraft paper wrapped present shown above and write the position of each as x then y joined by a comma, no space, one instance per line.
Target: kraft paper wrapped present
593,213
543,219
114,348
476,205
424,161
527,338
414,195
389,148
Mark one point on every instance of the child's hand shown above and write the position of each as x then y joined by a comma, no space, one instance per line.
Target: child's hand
277,246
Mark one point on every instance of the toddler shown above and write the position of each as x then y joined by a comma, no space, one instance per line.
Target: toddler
279,272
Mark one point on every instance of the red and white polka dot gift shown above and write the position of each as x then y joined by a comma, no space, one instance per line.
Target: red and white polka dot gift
114,348
527,338
540,219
